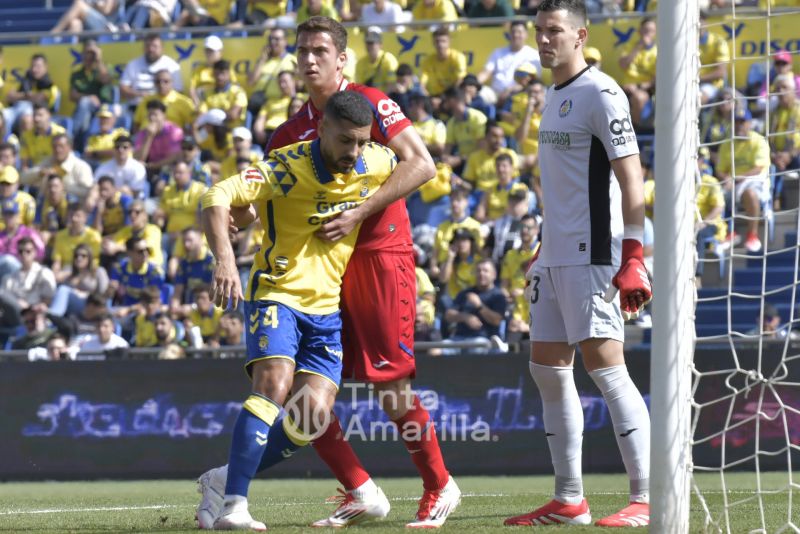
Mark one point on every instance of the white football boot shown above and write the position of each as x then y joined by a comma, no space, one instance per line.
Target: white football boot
235,516
211,485
356,506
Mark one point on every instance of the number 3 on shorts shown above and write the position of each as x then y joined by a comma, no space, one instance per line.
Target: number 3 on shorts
534,289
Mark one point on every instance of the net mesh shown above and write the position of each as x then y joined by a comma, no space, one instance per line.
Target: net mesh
746,369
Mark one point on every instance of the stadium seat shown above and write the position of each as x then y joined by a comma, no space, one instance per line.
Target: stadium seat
65,122
116,38
167,290
58,39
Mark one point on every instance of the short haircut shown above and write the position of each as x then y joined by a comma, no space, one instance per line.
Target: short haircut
34,57
151,294
285,72
459,192
53,176
105,178
326,25
39,105
233,314
441,31
105,316
576,8
491,123
132,241
190,230
8,146
423,100
518,23
645,20
201,288
25,241
76,206
455,93
350,106
222,64
504,157
59,137
529,217
151,37
96,299
122,139
489,261
156,104
404,70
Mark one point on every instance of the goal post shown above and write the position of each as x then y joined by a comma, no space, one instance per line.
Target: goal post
676,141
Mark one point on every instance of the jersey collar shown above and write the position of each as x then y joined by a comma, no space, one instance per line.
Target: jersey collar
323,175
563,85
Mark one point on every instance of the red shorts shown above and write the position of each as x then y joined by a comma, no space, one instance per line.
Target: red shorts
379,301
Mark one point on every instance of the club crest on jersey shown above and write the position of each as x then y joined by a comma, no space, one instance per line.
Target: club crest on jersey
253,175
565,108
263,342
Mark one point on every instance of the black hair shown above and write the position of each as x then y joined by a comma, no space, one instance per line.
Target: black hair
576,8
350,106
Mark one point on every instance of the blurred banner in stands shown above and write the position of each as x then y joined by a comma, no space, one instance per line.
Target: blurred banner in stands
159,419
608,36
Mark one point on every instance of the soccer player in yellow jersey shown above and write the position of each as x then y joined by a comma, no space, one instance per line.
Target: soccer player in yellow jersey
292,301
743,166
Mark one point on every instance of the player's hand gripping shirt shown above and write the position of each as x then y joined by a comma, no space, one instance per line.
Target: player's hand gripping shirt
294,194
585,124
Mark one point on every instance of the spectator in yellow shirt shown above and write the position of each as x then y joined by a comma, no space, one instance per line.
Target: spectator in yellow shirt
66,240
275,111
35,88
495,199
205,13
378,67
140,226
263,78
9,192
205,315
459,220
714,51
744,169
434,10
784,122
432,131
37,143
202,80
242,150
638,62
512,275
100,147
465,128
181,111
443,69
259,11
75,172
226,95
480,169
214,137
180,202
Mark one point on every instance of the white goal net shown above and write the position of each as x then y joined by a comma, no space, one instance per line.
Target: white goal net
745,396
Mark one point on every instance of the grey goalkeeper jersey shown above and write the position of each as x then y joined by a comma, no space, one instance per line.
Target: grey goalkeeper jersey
585,124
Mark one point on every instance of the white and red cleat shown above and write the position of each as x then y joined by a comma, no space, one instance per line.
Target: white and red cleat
636,514
436,506
355,509
554,513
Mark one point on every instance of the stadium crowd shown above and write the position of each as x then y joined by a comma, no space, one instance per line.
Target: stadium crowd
100,247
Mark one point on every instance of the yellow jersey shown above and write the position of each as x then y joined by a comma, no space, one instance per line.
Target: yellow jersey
182,205
38,147
480,168
379,73
64,245
438,75
228,165
152,236
268,77
709,196
783,125
463,276
432,131
749,153
271,8
275,111
180,109
105,141
443,10
217,9
643,67
217,154
294,194
445,231
466,132
515,263
202,79
230,97
26,205
439,185
497,198
208,322
713,50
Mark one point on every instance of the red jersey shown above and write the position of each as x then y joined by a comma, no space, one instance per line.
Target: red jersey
390,227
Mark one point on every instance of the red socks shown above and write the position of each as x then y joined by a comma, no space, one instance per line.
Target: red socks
419,435
340,457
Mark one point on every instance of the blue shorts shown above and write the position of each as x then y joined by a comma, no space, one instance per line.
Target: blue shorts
312,342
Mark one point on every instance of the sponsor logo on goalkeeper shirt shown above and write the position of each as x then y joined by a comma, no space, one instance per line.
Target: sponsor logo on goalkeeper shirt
559,140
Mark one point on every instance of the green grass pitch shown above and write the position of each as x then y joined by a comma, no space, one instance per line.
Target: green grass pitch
290,505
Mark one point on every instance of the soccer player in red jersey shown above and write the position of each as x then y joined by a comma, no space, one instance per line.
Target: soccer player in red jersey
379,288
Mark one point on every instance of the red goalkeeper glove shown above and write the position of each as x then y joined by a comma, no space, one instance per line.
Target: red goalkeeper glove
632,280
